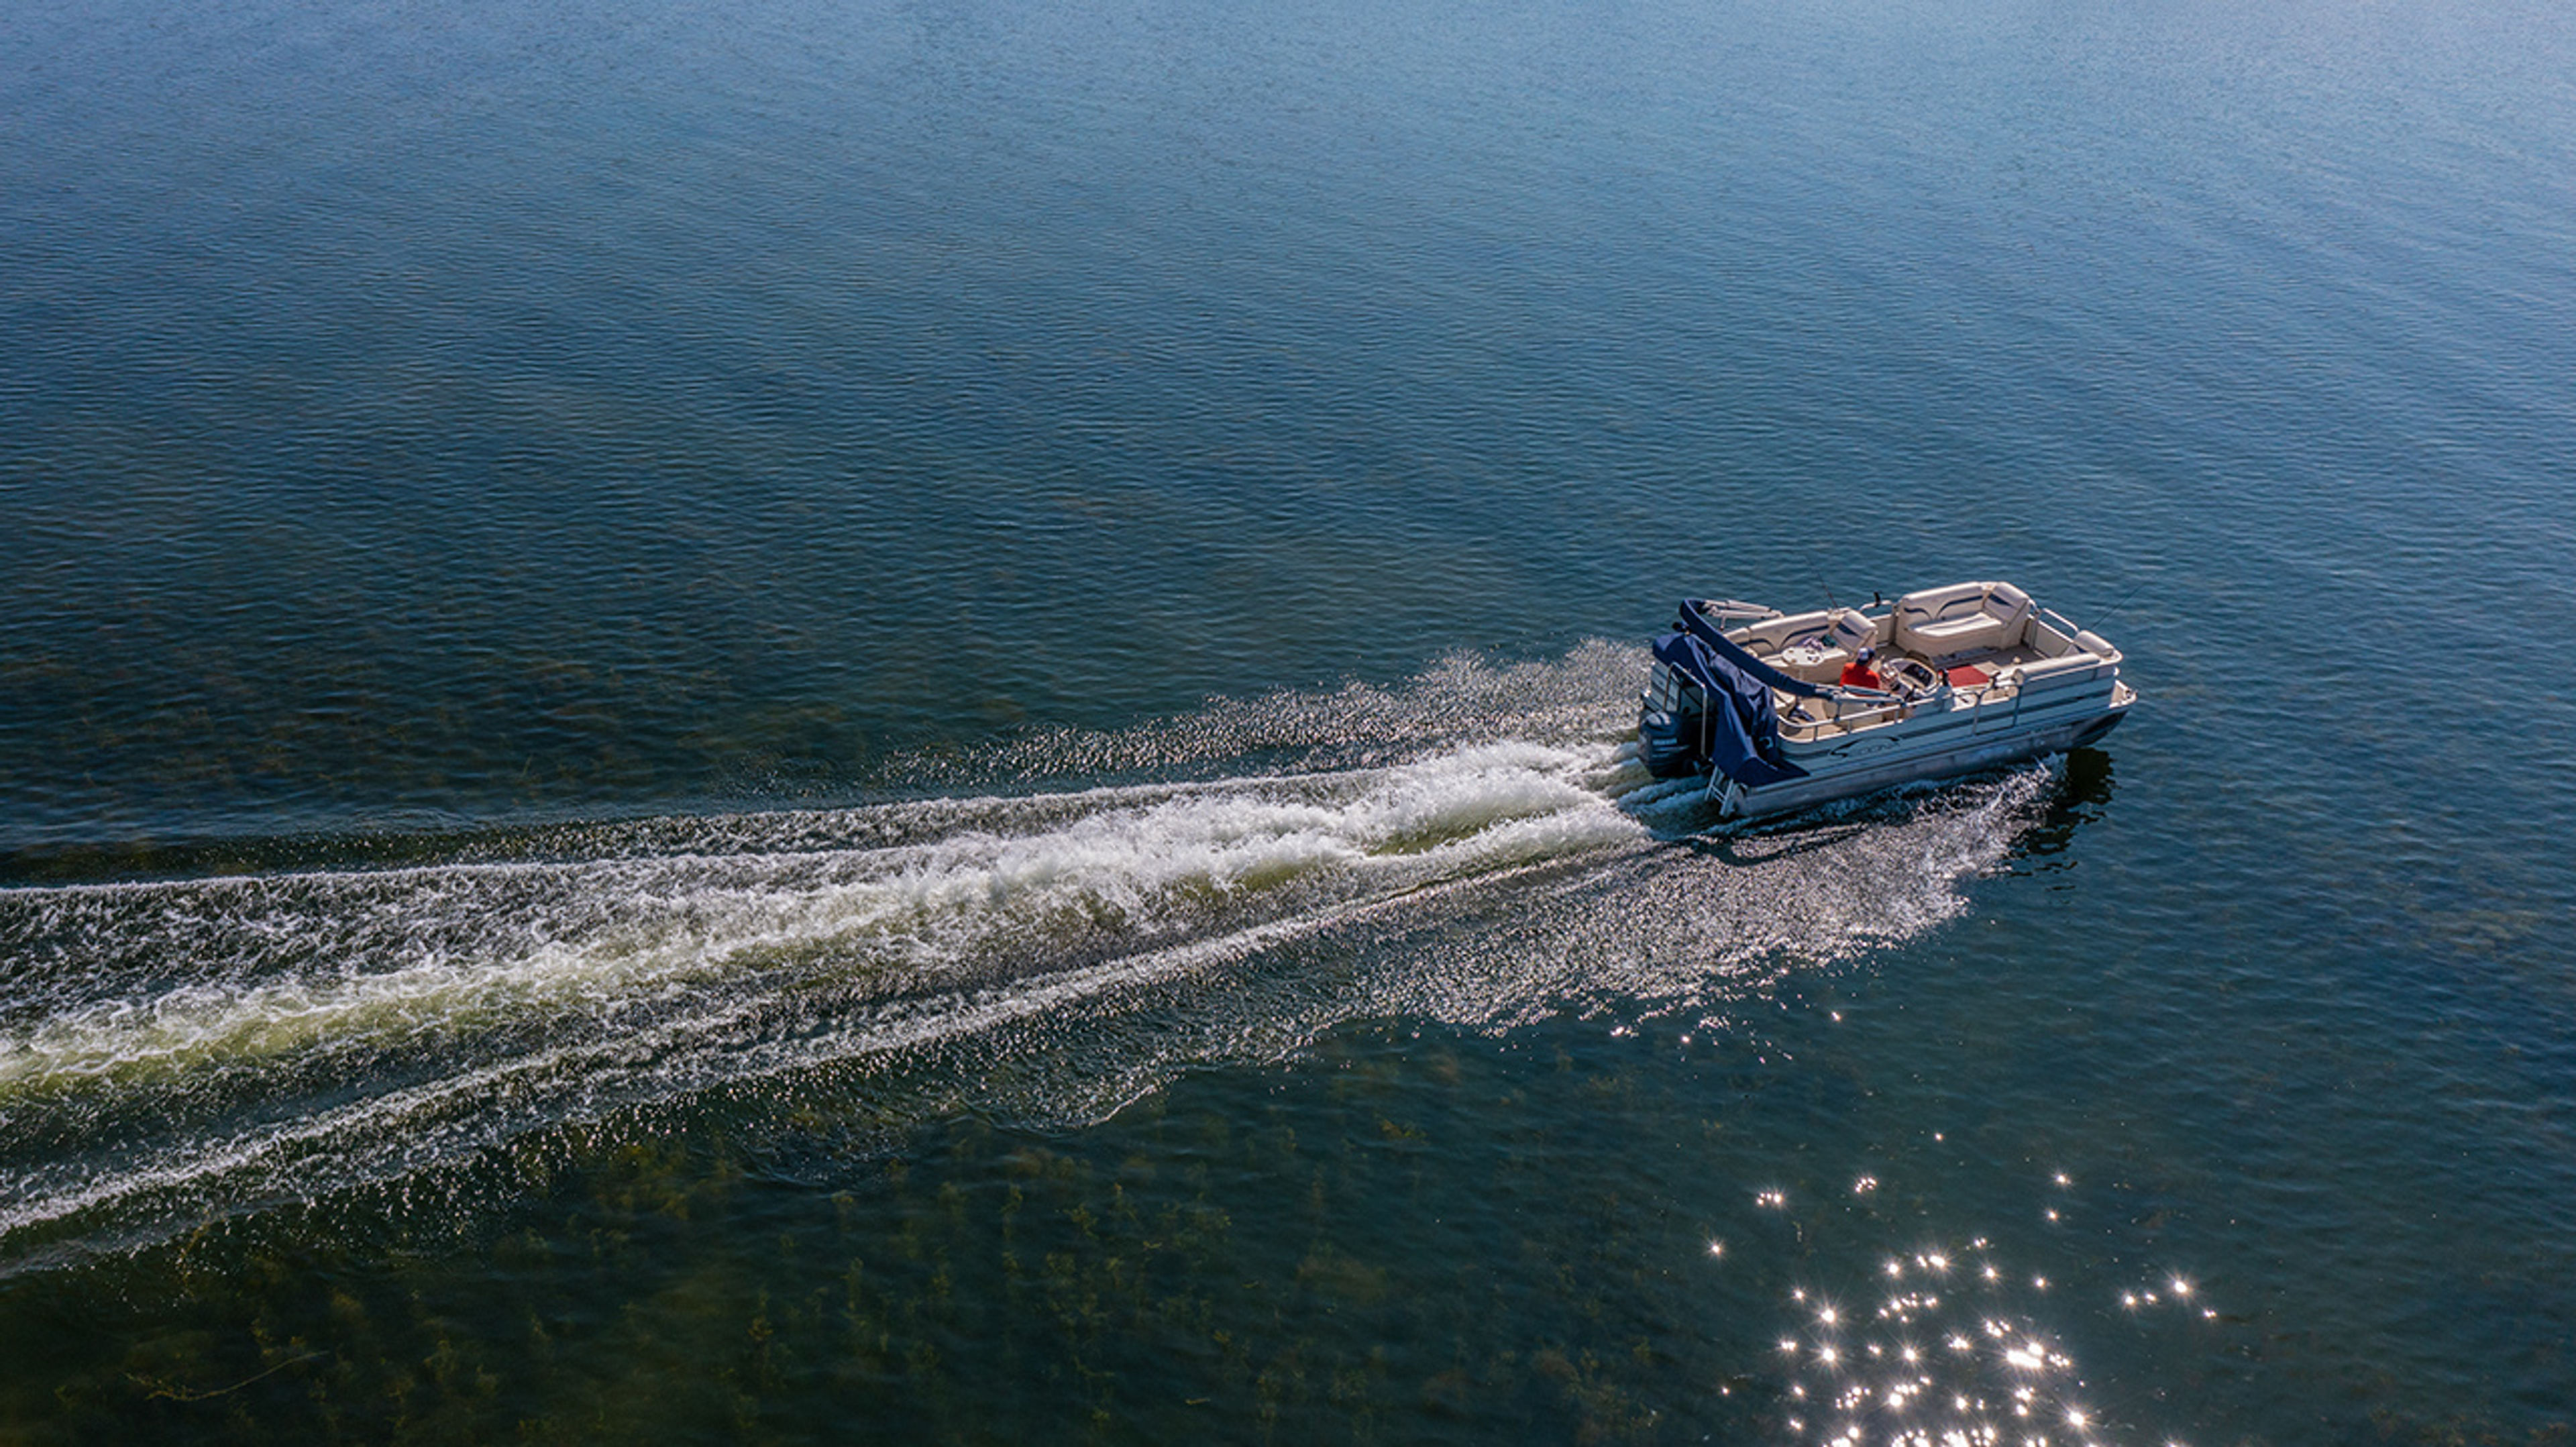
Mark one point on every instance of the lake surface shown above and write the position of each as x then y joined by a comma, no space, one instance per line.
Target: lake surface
905,721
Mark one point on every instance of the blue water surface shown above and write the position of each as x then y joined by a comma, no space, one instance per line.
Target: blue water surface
727,722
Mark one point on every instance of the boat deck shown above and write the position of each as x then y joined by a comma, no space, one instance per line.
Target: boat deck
1804,720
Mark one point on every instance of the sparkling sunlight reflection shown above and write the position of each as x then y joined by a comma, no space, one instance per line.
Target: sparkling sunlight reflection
1922,1362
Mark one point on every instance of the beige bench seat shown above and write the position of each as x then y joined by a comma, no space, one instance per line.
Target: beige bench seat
1944,623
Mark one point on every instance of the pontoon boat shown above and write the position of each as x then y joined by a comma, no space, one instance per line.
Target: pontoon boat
1967,677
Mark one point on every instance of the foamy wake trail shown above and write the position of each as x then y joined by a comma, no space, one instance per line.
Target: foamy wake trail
170,1051
283,965
221,1007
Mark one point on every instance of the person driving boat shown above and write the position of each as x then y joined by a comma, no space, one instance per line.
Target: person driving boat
1858,673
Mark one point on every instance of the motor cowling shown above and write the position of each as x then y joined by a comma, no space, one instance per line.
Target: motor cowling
1668,742
1672,725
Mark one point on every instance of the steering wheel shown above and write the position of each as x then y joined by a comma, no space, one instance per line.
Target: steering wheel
1911,678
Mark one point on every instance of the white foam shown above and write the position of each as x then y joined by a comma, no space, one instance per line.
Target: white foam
589,937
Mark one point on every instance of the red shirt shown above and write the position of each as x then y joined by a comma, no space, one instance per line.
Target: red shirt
1857,674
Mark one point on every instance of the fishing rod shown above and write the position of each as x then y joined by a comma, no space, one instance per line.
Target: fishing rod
2116,607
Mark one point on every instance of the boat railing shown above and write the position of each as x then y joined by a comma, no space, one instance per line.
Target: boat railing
1851,708
2075,634
1726,612
2076,637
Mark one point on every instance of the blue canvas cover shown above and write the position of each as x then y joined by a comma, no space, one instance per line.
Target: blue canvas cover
1696,624
1744,729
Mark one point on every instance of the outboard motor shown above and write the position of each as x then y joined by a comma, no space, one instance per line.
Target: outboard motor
1672,725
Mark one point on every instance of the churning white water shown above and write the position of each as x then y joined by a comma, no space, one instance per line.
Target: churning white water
176,1049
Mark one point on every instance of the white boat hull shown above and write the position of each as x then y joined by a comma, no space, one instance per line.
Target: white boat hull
1952,743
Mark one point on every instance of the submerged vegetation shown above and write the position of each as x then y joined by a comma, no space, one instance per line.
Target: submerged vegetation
1204,1264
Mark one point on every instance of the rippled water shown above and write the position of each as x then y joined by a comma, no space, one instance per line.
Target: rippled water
910,719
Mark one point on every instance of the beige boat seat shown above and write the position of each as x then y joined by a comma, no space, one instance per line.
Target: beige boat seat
1851,631
1819,657
1962,618
2049,673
